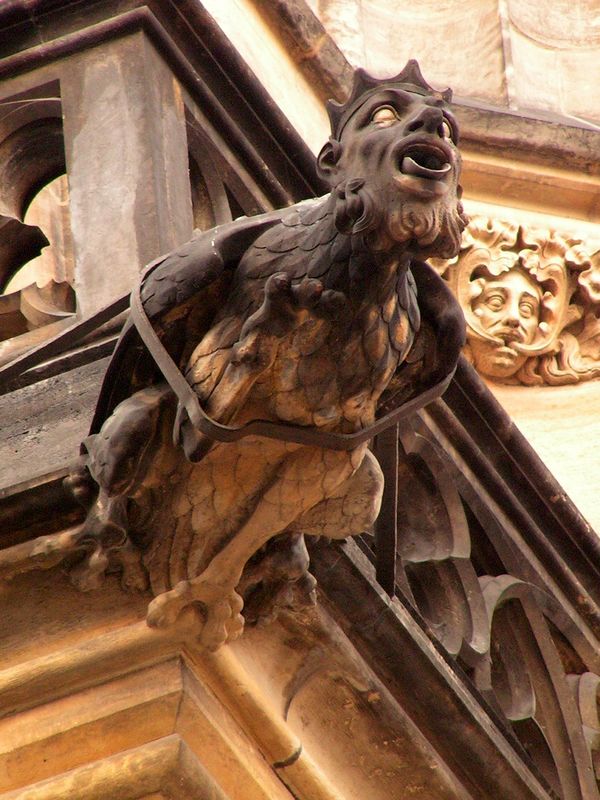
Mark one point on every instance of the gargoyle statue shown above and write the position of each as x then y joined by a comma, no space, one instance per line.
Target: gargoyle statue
314,317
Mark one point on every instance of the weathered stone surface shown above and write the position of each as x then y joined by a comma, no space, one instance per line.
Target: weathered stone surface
378,34
315,52
274,66
305,317
93,701
42,424
554,52
123,116
540,56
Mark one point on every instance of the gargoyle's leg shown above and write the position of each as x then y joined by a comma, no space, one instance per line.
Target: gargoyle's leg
279,578
351,509
92,539
118,463
308,476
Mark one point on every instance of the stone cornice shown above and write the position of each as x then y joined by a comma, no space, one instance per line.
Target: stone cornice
199,54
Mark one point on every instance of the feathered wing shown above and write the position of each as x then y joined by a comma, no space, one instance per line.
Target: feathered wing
308,234
181,294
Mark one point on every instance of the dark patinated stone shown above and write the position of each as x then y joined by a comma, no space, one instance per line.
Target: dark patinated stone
314,316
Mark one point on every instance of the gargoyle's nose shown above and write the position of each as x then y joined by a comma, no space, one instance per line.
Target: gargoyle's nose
429,120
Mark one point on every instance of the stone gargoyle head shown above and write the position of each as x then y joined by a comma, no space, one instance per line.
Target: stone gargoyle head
393,165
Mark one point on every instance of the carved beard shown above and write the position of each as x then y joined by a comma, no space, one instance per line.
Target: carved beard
355,211
436,227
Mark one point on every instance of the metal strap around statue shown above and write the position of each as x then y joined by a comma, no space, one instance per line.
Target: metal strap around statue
272,430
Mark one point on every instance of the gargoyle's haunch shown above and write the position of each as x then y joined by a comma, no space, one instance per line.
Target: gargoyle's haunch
314,315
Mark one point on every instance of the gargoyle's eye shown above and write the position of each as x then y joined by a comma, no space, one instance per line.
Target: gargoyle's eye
384,116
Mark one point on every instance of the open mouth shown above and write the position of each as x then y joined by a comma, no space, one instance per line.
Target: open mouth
509,337
425,161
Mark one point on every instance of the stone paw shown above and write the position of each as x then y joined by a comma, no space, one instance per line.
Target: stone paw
308,293
323,303
285,306
283,297
90,573
165,608
223,621
80,484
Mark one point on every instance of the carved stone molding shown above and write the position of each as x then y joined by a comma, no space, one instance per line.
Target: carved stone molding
459,565
37,297
531,299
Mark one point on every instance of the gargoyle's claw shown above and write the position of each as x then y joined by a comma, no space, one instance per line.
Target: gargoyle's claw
331,305
165,608
80,484
44,552
277,284
333,302
308,292
223,620
89,574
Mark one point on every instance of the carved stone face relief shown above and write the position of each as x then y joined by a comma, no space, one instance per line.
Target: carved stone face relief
531,299
508,309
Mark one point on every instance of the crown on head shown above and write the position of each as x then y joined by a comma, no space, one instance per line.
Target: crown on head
410,79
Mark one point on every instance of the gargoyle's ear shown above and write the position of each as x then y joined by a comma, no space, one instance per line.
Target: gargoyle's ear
327,160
